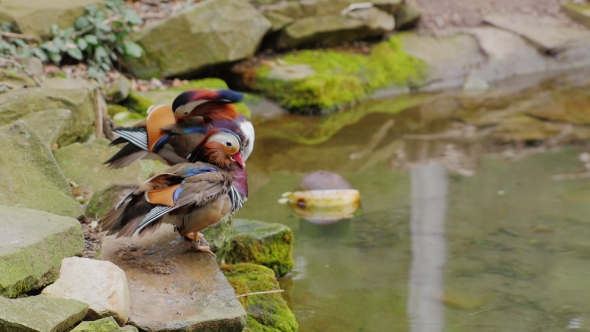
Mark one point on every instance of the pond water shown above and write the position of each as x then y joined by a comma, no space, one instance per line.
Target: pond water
455,234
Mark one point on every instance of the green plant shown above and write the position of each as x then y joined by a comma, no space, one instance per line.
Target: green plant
11,47
98,38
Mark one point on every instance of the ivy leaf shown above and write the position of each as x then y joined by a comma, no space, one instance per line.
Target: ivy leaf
104,27
113,56
91,39
82,43
105,66
132,49
20,42
50,47
82,23
100,53
75,53
92,9
6,26
131,16
59,44
54,29
39,53
55,57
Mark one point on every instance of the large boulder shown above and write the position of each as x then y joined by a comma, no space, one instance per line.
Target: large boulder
80,101
40,313
36,17
262,243
107,198
211,32
266,312
33,246
30,175
305,23
173,288
49,125
83,164
106,293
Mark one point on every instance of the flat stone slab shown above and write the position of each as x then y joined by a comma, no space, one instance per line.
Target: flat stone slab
40,313
173,288
263,243
33,246
546,32
107,324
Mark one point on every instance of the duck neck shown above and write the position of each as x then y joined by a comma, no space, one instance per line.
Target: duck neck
240,180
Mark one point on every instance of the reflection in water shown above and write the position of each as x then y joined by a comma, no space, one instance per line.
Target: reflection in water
426,283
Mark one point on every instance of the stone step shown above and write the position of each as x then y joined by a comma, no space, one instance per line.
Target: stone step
173,288
40,313
33,246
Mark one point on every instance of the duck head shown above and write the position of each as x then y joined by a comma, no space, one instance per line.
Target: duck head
220,147
185,104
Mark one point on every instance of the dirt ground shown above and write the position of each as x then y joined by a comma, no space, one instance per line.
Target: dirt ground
439,14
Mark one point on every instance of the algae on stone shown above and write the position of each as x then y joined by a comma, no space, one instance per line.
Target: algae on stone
30,175
33,246
49,125
107,324
19,103
220,237
83,164
138,103
341,78
107,198
266,312
40,313
263,243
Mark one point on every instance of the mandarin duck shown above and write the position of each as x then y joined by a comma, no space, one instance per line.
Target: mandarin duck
171,133
191,196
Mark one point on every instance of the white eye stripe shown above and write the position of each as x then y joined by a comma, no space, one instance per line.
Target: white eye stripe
188,107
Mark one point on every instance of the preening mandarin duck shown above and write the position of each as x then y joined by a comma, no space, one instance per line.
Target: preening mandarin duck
191,196
171,133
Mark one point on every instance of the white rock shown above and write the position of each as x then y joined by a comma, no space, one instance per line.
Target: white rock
100,284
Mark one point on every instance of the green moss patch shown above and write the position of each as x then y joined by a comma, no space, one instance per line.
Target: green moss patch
340,78
263,243
266,312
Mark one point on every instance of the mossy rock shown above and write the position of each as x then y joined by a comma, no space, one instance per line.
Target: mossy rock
107,198
263,243
19,103
83,164
138,103
107,324
266,312
119,90
33,246
30,175
114,109
341,79
220,237
49,125
40,313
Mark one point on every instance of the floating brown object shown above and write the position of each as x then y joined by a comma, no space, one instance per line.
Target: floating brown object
320,180
323,206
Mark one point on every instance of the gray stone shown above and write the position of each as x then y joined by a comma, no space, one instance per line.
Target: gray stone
30,175
35,17
119,90
549,34
278,21
334,28
105,199
83,164
105,292
40,313
49,125
220,236
18,103
263,243
108,324
407,15
229,30
475,83
33,246
173,288
291,72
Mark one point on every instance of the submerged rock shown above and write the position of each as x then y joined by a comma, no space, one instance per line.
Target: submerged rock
30,175
36,17
522,128
263,243
100,284
40,313
266,312
229,30
33,246
220,236
173,288
19,103
83,164
107,324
